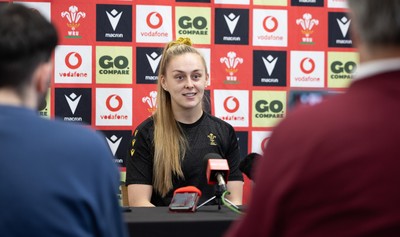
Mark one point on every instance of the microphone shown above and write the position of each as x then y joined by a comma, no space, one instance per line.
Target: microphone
246,165
217,170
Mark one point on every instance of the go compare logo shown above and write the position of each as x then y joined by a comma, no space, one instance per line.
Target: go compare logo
114,65
269,107
194,22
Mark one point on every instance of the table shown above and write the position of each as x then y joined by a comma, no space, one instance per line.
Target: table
207,221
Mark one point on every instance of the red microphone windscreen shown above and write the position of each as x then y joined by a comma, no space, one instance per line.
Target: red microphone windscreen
188,189
217,166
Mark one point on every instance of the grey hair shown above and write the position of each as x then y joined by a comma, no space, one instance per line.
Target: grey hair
378,22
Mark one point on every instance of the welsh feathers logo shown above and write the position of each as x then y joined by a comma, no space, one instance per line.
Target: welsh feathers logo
73,16
231,62
307,24
151,101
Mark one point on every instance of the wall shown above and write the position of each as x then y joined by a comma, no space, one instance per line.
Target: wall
264,57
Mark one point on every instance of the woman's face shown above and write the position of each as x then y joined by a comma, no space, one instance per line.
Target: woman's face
185,80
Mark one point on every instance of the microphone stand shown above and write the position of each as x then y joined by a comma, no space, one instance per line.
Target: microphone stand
218,199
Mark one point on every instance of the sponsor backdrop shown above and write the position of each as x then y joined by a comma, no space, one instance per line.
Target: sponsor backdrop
264,57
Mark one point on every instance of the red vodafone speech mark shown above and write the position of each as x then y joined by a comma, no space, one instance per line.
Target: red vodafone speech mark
68,60
311,62
234,109
114,108
151,25
264,143
274,22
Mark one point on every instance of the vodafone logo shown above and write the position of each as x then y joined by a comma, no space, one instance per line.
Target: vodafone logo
270,24
231,104
227,106
114,103
270,27
73,64
73,60
307,65
154,20
264,143
113,107
155,25
310,70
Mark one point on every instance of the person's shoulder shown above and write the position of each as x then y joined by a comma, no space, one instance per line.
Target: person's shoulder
146,124
324,109
144,129
69,126
70,133
312,118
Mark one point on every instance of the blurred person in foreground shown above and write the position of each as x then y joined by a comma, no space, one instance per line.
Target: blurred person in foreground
57,179
168,149
333,169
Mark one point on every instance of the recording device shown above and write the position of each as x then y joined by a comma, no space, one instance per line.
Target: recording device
247,164
217,170
185,199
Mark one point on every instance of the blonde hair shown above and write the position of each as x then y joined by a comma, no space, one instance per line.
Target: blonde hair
169,141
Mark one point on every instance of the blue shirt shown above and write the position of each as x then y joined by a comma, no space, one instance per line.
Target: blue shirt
57,179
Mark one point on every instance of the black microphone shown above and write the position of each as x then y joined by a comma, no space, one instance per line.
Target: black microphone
217,170
247,164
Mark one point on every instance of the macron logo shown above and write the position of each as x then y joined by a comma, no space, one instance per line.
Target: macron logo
114,18
344,25
154,60
231,21
73,101
113,143
270,63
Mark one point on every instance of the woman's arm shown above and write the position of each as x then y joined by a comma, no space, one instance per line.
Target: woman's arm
139,195
236,190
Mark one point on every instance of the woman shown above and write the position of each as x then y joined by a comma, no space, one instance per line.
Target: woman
168,148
